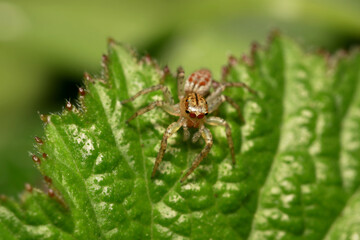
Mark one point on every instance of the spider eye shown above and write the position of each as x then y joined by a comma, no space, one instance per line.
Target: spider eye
192,115
200,116
187,111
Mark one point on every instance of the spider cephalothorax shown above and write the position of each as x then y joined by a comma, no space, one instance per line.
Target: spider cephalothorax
194,107
196,102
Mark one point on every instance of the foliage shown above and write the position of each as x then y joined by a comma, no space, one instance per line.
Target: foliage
296,177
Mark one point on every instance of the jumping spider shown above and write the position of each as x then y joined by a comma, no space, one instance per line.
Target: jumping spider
196,102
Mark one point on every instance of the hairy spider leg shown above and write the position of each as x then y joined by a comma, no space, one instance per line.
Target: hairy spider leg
165,106
172,128
215,103
180,82
239,84
236,106
186,132
222,86
215,99
167,95
196,136
216,121
206,134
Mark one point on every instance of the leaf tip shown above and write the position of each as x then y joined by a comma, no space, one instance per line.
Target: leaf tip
164,73
255,46
45,118
51,193
274,33
82,91
38,140
28,187
224,73
166,70
88,78
148,59
36,159
69,106
47,179
180,70
232,60
104,59
3,198
111,41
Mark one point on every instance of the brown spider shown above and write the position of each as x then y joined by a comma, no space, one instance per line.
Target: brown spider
192,111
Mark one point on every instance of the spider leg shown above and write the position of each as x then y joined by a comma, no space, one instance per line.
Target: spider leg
206,134
236,106
196,136
180,82
174,127
167,95
165,106
239,84
216,121
215,103
186,132
216,94
222,86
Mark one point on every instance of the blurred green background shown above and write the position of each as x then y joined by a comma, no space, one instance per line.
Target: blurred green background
45,46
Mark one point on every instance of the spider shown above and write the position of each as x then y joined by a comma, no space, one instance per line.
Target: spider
196,102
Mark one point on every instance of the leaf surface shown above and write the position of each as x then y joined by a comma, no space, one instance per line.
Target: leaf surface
297,173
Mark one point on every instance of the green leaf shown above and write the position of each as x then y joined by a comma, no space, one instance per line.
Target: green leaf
297,173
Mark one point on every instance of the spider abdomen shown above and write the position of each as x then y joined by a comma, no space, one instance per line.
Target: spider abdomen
199,82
